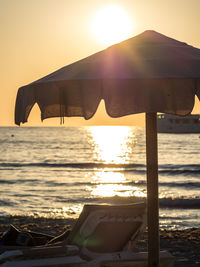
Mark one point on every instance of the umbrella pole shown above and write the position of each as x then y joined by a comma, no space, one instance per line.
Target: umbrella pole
152,190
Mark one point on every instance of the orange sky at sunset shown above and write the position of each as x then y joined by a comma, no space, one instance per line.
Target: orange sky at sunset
41,36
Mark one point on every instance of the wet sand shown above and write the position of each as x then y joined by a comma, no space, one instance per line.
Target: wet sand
184,245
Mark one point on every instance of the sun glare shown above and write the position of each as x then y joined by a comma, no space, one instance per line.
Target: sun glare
111,143
111,25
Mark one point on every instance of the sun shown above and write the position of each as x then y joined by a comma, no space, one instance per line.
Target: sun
111,25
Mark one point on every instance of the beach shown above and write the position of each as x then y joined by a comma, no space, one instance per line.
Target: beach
48,174
182,244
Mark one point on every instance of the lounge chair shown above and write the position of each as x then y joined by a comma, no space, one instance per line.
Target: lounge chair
104,235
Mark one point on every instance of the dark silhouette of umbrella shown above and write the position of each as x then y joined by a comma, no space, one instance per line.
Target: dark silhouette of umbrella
148,73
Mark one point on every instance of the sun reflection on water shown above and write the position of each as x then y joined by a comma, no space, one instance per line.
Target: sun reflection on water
110,184
113,144
107,176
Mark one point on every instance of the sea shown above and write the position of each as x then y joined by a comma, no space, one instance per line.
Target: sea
53,171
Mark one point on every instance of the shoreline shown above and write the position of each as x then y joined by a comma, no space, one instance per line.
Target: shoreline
182,244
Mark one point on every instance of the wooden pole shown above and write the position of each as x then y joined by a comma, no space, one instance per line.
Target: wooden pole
152,190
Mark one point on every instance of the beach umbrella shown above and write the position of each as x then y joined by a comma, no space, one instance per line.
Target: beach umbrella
148,73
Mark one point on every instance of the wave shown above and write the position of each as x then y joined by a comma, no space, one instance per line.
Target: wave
164,203
163,168
18,181
171,203
182,184
177,169
187,185
180,203
6,202
84,165
141,183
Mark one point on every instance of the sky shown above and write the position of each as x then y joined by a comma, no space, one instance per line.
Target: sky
41,36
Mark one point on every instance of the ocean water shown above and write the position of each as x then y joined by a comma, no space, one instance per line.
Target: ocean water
54,171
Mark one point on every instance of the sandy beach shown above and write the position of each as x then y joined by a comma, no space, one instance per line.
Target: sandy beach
182,244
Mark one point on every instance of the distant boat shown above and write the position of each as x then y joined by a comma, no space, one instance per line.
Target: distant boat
176,124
